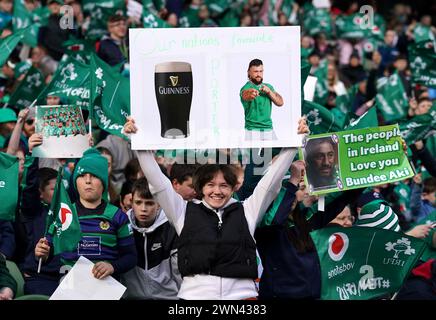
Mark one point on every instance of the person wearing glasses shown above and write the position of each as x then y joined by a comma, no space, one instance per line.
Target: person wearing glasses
113,48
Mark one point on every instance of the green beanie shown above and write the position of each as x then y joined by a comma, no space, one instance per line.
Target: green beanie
378,214
94,163
7,115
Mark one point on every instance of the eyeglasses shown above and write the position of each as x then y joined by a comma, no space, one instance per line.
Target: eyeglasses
30,121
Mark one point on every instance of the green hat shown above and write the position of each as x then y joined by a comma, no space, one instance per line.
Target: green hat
379,214
7,115
94,163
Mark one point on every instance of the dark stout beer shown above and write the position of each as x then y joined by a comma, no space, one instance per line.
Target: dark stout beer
173,88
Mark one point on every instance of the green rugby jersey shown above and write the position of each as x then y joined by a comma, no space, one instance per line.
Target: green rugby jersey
258,111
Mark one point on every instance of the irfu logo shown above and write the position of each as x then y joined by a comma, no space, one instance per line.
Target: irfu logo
68,73
402,245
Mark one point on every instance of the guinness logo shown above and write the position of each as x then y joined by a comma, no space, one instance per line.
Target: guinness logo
174,80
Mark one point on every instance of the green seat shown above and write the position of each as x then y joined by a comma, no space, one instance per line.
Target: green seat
16,274
33,297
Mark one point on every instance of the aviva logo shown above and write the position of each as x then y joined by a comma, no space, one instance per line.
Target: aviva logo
174,80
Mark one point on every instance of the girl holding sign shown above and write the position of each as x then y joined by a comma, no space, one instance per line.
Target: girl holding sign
217,252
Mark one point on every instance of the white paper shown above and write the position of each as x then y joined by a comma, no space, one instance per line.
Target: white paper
309,88
80,284
218,60
321,203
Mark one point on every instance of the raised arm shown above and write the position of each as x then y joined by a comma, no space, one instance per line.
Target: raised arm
14,142
160,186
269,186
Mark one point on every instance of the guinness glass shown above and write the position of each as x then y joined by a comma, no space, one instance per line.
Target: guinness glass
173,88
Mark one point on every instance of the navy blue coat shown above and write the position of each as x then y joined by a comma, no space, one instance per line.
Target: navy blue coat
287,273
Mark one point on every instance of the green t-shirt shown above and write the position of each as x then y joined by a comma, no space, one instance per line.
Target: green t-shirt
258,111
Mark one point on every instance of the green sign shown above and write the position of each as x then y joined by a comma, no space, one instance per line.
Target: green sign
355,159
361,263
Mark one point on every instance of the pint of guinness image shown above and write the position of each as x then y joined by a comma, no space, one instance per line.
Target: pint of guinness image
173,88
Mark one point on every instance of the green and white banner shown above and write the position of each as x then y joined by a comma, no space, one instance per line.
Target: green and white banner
70,83
419,127
423,63
355,159
8,186
362,263
110,97
391,98
28,90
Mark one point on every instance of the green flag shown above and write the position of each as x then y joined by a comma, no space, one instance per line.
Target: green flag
79,49
62,220
318,20
8,44
362,263
8,186
391,98
366,120
422,33
319,118
28,90
419,127
189,17
348,26
110,97
31,20
151,20
100,11
71,83
422,59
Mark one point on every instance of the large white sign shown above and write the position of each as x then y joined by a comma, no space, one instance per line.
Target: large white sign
192,88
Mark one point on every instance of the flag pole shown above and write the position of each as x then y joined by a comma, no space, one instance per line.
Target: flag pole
40,261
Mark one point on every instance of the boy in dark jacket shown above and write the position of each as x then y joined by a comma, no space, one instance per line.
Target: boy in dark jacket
35,204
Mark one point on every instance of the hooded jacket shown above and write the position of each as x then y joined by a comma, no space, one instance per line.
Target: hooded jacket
156,275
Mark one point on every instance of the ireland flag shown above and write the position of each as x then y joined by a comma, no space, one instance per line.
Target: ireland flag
110,97
319,118
62,220
361,263
8,186
419,127
391,98
70,82
28,90
8,44
422,59
100,11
